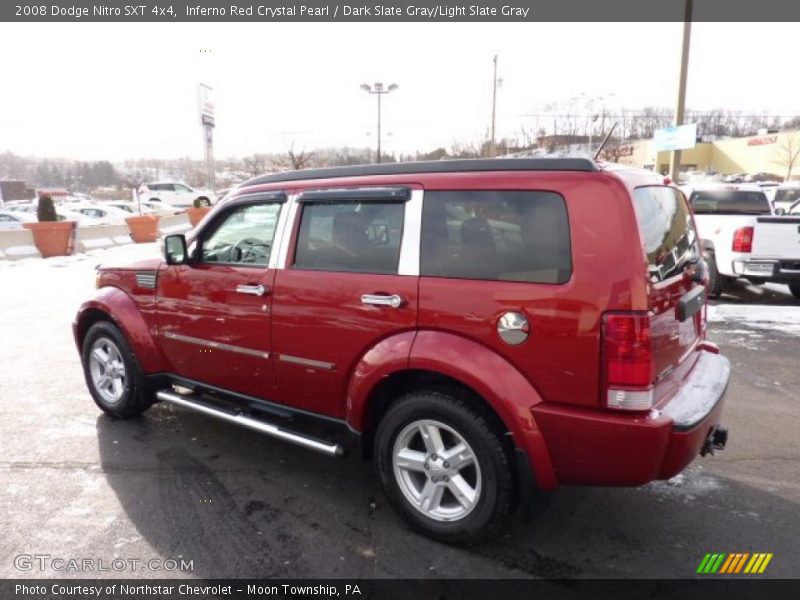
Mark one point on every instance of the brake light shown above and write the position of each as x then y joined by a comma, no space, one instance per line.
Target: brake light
628,366
743,239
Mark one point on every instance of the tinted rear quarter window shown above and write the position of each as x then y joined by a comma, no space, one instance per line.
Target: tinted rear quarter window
665,225
722,202
496,235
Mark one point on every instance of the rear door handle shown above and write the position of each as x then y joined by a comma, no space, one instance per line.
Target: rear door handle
252,290
392,301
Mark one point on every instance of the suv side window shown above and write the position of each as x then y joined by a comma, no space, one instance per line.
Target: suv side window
496,235
181,188
243,236
362,237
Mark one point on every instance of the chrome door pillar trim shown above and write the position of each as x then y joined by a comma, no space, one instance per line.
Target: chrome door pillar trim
283,234
412,228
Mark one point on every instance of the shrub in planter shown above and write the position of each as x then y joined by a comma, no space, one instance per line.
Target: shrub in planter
51,236
143,228
198,211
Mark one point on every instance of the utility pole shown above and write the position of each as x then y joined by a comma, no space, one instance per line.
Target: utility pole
675,157
492,147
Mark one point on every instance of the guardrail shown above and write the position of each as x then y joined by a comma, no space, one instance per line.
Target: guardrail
101,236
174,224
16,244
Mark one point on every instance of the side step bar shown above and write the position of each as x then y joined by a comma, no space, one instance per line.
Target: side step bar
329,448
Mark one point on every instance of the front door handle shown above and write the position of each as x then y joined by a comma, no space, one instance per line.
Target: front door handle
393,301
252,290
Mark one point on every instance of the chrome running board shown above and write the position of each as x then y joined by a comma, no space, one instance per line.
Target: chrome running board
193,403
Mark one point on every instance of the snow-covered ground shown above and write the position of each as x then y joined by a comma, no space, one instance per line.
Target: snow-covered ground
783,319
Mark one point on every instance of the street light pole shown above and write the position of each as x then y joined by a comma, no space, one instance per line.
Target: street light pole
494,105
378,90
675,157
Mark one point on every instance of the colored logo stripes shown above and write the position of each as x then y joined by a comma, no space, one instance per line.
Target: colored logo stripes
736,562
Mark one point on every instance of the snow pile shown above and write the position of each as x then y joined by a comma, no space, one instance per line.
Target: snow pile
785,319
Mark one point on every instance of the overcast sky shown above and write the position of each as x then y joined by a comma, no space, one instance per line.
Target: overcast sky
115,91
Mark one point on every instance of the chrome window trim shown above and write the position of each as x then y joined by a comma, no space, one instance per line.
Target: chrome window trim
412,228
216,345
278,241
289,216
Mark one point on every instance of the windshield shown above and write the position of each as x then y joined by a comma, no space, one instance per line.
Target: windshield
730,202
787,196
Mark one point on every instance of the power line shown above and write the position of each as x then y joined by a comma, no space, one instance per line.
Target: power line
690,112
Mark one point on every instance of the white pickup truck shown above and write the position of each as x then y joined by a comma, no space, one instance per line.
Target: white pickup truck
742,238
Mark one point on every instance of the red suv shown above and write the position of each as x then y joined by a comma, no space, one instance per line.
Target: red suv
486,329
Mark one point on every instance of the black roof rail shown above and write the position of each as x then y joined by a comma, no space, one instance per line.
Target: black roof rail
437,166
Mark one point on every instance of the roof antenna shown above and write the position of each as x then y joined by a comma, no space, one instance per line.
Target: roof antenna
605,139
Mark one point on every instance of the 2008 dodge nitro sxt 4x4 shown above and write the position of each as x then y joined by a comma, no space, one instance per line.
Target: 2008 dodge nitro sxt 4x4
486,329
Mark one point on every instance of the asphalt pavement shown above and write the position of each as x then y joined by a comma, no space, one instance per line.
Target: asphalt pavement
180,486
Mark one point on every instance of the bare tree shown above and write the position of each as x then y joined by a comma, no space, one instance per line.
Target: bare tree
254,165
295,159
788,152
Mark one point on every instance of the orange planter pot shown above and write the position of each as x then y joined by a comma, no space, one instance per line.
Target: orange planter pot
143,228
196,214
52,238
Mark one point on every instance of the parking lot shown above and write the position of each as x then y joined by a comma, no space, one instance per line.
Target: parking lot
172,485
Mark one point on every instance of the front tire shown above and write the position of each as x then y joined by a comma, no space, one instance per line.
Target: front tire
112,372
203,202
444,466
794,287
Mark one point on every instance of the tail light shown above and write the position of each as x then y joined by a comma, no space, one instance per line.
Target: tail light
743,239
628,367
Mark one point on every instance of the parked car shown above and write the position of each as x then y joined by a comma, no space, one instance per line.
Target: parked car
742,238
785,195
102,214
175,193
82,220
471,325
26,207
14,220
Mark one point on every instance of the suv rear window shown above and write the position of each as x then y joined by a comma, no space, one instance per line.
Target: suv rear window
730,202
496,235
665,225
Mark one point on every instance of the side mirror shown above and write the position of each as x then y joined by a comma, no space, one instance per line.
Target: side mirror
780,212
175,249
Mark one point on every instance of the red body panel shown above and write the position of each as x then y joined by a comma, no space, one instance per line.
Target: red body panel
201,302
136,318
328,351
318,316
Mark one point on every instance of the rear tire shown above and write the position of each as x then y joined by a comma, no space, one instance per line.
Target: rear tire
714,278
112,372
794,287
444,466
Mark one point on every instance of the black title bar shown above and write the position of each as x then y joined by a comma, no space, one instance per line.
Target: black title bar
149,11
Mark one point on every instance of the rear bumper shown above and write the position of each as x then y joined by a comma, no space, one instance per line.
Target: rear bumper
783,271
598,447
